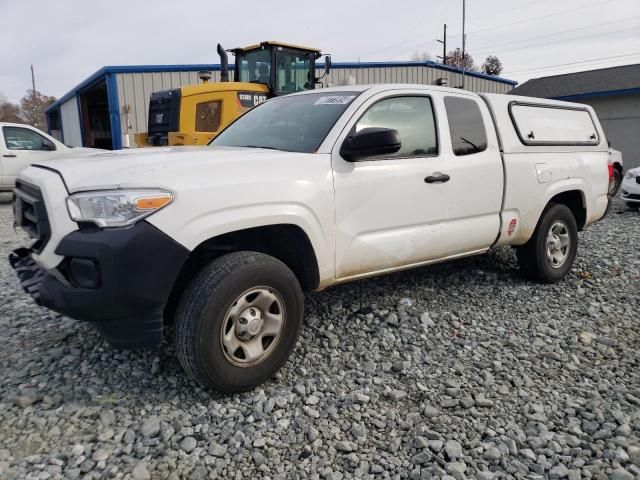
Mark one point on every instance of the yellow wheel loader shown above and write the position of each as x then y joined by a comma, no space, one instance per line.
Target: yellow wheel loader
194,114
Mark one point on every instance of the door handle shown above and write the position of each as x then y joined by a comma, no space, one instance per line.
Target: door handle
437,178
10,155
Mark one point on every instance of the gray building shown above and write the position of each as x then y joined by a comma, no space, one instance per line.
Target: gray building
613,92
107,109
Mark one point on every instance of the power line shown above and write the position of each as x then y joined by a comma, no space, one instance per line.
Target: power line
558,33
536,18
635,29
571,63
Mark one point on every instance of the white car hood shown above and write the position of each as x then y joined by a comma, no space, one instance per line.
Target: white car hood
169,167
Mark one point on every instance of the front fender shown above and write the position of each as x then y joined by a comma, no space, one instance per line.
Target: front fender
192,231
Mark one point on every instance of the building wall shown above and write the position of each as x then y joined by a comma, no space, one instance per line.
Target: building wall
411,74
135,89
70,117
620,119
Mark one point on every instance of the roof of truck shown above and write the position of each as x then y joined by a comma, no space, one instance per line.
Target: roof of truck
278,44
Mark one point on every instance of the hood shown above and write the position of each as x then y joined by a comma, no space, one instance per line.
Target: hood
168,167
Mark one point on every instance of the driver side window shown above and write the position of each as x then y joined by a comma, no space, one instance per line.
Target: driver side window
414,120
17,138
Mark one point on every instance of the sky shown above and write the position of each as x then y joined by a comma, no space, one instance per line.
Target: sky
68,40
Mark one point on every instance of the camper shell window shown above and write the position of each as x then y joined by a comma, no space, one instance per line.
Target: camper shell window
538,124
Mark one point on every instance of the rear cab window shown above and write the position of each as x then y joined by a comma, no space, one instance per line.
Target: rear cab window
538,124
466,125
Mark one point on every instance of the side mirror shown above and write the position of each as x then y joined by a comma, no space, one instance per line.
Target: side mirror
327,64
370,142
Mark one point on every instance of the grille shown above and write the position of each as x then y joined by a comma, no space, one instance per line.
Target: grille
30,213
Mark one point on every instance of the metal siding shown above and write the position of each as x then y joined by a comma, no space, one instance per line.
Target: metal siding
70,116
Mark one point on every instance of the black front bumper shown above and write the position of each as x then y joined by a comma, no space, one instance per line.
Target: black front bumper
119,279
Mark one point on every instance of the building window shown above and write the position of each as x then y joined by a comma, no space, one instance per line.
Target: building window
208,116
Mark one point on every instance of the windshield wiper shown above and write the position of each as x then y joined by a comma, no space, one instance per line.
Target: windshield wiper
260,146
478,149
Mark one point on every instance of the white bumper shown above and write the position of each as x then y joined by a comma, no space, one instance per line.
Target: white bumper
630,190
54,194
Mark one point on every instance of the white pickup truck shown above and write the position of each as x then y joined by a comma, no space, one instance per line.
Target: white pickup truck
21,145
301,193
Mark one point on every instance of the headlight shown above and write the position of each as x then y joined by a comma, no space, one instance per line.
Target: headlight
631,174
116,208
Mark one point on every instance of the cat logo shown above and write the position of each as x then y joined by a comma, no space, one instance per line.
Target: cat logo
250,99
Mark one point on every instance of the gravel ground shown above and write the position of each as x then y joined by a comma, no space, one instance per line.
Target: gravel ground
461,370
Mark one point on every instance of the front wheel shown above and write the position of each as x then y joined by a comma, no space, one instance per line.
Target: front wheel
550,252
238,321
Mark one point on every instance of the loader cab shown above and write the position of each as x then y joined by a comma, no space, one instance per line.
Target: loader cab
284,68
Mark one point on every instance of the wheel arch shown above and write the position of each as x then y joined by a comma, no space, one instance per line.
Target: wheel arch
287,242
575,200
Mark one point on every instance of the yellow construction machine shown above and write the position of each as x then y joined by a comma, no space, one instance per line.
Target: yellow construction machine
194,114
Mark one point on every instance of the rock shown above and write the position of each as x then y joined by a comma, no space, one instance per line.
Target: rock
345,446
188,444
396,395
492,454
559,471
430,411
453,449
634,454
258,458
140,472
610,342
217,450
24,401
150,427
621,474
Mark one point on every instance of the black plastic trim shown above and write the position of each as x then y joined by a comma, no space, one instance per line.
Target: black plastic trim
138,267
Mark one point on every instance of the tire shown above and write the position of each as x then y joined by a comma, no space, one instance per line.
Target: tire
633,205
223,307
533,255
614,183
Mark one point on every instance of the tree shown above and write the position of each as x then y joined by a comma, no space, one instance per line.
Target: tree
9,112
33,105
421,57
454,58
492,65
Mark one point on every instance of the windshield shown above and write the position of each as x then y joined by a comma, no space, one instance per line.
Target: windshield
255,66
297,123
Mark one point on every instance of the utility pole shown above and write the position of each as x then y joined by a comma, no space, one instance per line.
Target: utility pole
33,82
463,39
444,46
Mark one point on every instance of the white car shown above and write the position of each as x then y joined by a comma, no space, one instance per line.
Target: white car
630,189
21,145
303,192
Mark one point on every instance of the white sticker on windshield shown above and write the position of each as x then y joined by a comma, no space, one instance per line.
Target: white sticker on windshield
334,100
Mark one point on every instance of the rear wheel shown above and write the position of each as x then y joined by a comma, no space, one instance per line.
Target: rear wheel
614,182
549,254
238,321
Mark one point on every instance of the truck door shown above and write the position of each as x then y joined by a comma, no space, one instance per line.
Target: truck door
22,147
419,204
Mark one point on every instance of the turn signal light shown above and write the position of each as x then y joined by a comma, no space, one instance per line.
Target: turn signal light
152,203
